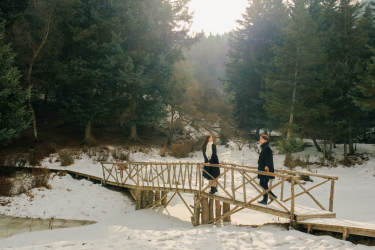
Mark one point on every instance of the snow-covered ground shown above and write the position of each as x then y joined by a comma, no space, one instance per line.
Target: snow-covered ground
121,227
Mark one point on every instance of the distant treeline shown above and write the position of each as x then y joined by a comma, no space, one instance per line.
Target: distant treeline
306,68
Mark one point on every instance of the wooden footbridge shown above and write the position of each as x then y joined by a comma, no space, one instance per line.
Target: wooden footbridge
155,184
152,183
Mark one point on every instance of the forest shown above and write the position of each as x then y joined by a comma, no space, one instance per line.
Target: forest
123,68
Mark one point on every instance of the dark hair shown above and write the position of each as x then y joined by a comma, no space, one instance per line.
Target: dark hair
265,137
205,142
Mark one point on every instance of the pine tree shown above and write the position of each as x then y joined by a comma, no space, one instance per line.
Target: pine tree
14,117
349,53
363,93
291,88
119,60
250,57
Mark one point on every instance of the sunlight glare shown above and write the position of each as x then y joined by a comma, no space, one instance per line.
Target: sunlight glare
216,16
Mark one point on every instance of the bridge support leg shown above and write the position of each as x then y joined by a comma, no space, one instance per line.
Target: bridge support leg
211,209
345,233
197,211
217,211
157,198
164,200
205,211
143,199
138,199
147,198
226,209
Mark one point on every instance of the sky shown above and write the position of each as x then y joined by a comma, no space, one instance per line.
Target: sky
216,16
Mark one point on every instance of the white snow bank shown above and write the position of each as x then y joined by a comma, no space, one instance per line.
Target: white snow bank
70,199
147,230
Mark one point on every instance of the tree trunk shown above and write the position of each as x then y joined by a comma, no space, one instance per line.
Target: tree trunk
351,147
33,117
30,70
133,128
89,140
133,133
292,107
317,145
171,127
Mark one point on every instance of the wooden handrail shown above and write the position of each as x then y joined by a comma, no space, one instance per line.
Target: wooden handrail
147,173
284,172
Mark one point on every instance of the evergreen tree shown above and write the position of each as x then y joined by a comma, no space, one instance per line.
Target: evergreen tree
119,61
291,88
363,93
250,57
349,54
10,9
14,117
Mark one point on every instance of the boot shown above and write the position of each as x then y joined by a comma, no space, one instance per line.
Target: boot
264,202
213,190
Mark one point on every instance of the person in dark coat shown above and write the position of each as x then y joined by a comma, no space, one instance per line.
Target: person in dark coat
265,163
210,156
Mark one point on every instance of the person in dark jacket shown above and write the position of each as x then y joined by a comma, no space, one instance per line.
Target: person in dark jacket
210,156
265,163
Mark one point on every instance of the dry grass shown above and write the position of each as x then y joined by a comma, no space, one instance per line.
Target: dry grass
181,150
292,162
163,150
66,158
120,155
40,177
40,151
5,186
12,183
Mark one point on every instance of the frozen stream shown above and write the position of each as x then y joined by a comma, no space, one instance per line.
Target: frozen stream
14,225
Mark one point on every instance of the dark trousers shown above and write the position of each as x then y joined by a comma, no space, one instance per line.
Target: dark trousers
264,183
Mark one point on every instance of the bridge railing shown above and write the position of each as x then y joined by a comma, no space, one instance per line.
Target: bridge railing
236,184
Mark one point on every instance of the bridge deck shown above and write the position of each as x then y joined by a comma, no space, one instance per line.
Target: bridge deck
346,227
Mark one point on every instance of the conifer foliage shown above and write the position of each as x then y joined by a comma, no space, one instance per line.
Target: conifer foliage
308,73
14,117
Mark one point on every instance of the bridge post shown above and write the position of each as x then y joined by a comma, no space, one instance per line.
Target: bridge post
217,210
211,209
205,211
164,200
143,198
150,198
226,209
292,216
157,198
138,199
196,215
331,195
